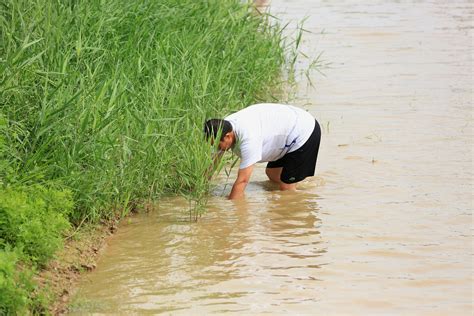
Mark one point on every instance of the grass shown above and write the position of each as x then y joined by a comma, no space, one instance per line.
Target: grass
112,95
105,100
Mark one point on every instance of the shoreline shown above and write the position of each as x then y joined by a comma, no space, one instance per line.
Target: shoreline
128,132
78,256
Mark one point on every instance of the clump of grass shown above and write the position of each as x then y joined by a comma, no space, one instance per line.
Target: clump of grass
15,284
33,219
102,105
32,223
106,100
113,94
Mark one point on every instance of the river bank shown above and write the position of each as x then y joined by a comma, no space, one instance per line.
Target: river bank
79,255
101,107
385,226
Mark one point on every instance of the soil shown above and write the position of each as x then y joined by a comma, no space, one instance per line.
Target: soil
80,254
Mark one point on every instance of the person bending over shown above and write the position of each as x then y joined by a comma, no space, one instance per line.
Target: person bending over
285,136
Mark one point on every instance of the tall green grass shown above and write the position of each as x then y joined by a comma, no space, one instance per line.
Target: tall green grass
111,95
102,105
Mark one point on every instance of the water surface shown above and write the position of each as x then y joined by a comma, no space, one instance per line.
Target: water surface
386,225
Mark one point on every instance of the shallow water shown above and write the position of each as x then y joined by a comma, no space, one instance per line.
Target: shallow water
386,225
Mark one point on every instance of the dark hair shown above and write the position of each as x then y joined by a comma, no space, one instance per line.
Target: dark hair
212,128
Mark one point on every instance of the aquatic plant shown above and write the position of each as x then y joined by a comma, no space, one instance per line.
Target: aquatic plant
112,94
101,107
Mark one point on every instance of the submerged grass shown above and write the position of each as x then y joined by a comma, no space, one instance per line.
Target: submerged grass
106,100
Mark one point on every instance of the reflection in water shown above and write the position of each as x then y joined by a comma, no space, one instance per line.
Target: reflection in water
163,265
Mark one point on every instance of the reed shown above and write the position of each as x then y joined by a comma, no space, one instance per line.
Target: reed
102,105
111,95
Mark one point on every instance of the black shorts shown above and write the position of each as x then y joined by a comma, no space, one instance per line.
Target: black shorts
300,163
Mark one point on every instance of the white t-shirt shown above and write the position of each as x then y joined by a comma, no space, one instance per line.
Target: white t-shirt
268,131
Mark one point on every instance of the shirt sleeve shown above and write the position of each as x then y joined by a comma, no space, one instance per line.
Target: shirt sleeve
251,152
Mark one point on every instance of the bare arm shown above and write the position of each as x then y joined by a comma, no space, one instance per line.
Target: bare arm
243,178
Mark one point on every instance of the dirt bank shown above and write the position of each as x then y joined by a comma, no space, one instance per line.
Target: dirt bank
80,253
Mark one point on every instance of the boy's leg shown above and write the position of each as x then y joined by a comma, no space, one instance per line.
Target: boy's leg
287,187
274,176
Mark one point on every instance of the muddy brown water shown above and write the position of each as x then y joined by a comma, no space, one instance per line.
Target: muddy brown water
386,225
